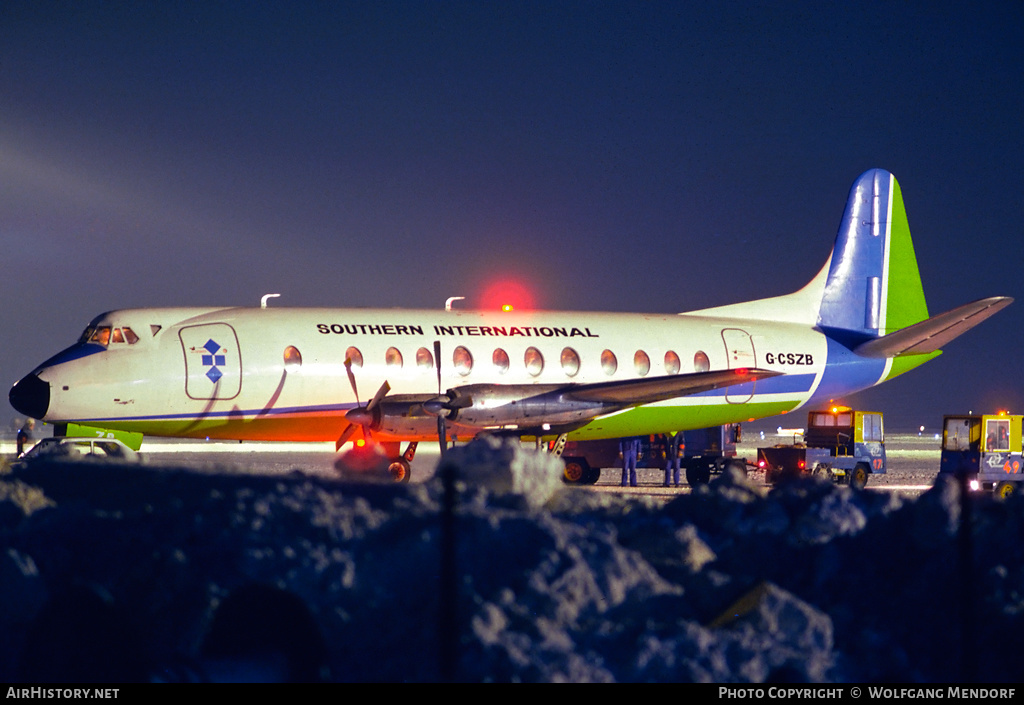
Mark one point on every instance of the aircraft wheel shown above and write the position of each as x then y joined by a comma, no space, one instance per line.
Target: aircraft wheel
1005,489
698,474
577,472
859,476
400,470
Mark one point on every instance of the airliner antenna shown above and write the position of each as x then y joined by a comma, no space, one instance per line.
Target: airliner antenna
451,300
263,301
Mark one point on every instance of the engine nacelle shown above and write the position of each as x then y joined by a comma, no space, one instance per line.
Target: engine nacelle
492,405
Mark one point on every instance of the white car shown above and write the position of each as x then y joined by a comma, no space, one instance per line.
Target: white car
79,448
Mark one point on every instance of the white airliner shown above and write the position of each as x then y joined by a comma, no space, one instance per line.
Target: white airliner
297,374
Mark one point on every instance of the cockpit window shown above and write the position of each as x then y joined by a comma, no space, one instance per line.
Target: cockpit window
101,336
105,335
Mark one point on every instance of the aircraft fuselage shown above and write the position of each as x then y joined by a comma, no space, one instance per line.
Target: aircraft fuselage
279,373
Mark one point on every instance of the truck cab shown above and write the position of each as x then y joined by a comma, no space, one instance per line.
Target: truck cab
986,449
844,444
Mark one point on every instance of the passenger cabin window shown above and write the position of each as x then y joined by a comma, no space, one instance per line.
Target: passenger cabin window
354,357
701,362
608,362
570,362
534,361
424,360
393,358
641,363
463,360
672,363
499,358
292,358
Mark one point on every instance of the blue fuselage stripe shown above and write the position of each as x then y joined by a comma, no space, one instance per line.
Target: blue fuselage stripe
786,384
846,373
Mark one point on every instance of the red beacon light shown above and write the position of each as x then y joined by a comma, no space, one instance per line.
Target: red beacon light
507,308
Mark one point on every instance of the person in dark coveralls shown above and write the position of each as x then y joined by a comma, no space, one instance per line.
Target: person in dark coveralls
24,436
672,458
630,449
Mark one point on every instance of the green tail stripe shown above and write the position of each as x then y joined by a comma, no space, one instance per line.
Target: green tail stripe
904,304
909,362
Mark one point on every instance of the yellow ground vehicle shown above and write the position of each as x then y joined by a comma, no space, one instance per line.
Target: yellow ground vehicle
840,443
986,448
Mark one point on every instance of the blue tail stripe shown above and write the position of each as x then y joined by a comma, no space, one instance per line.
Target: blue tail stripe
852,297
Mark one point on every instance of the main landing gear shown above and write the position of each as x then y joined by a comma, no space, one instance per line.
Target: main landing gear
376,462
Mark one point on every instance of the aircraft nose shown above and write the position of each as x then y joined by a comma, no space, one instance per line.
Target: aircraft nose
31,396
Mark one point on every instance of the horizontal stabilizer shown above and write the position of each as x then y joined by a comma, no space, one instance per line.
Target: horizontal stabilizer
647,391
931,334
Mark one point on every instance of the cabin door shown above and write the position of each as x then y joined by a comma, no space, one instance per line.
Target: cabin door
739,349
213,361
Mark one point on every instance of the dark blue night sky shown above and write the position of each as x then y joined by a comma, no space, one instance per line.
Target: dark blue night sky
661,156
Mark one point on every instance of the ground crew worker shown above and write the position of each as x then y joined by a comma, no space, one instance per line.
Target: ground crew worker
630,449
672,458
24,436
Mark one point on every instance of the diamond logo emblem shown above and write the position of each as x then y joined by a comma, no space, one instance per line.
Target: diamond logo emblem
213,359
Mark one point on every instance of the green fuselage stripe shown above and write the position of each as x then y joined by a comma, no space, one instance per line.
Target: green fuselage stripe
670,419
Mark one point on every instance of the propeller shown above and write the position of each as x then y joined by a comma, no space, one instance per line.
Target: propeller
442,429
444,405
367,417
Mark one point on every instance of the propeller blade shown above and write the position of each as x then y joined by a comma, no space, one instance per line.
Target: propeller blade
351,378
345,435
384,389
437,359
363,415
442,431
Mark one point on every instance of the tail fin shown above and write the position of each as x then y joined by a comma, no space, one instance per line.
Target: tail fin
873,285
869,297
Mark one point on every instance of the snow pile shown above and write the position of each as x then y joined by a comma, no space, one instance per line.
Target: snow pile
503,466
812,582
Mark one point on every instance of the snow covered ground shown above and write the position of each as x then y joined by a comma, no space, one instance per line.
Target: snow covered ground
132,573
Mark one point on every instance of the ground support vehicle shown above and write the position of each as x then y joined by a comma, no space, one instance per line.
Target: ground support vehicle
841,444
703,452
76,448
986,449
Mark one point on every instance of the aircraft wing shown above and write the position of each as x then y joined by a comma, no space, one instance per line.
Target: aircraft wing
931,334
646,391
